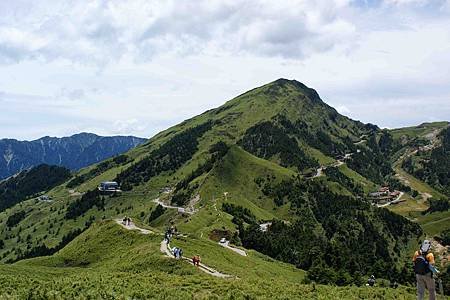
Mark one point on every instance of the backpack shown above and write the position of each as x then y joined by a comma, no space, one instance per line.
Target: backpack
421,264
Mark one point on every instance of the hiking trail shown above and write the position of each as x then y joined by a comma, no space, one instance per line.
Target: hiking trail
165,249
188,210
132,226
237,250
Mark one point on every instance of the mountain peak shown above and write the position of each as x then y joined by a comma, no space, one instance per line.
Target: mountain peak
282,84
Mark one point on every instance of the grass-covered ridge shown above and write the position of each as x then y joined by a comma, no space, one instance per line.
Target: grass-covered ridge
108,261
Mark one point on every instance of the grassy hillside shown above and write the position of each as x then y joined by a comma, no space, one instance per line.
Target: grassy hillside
108,261
259,158
417,146
417,132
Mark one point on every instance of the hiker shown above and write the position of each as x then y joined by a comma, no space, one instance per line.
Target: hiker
424,269
180,253
196,260
167,237
124,221
371,280
129,221
175,252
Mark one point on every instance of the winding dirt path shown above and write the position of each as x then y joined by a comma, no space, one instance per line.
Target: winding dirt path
237,250
132,226
165,249
179,208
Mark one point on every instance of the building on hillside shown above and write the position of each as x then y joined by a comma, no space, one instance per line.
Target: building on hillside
166,190
45,198
384,195
109,187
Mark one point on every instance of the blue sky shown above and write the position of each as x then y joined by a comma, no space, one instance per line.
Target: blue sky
137,67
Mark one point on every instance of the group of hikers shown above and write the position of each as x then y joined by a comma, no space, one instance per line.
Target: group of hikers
126,221
171,231
176,251
423,260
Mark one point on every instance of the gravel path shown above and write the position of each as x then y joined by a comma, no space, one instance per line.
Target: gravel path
237,250
165,249
132,226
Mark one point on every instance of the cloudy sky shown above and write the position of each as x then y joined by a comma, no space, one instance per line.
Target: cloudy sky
137,67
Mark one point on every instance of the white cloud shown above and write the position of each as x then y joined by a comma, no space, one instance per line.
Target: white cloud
102,32
126,126
342,109
137,67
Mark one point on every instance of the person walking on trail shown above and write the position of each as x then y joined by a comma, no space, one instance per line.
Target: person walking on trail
167,237
424,269
196,260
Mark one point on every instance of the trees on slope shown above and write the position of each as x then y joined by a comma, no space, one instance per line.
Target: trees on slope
334,234
30,182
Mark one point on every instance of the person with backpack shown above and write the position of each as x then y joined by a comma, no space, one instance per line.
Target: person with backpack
371,280
424,269
175,252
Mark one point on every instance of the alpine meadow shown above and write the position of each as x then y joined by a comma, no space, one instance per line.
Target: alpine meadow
306,199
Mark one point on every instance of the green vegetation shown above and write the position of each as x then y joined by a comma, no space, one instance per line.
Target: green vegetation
372,236
85,203
99,169
234,167
433,167
43,250
435,223
30,182
417,132
15,218
436,205
266,140
334,174
170,156
445,237
371,162
240,214
156,213
107,261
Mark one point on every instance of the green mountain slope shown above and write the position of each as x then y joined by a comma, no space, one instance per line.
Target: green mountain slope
421,162
108,261
29,183
276,154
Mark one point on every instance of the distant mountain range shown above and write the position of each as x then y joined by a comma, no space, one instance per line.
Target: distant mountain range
74,152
